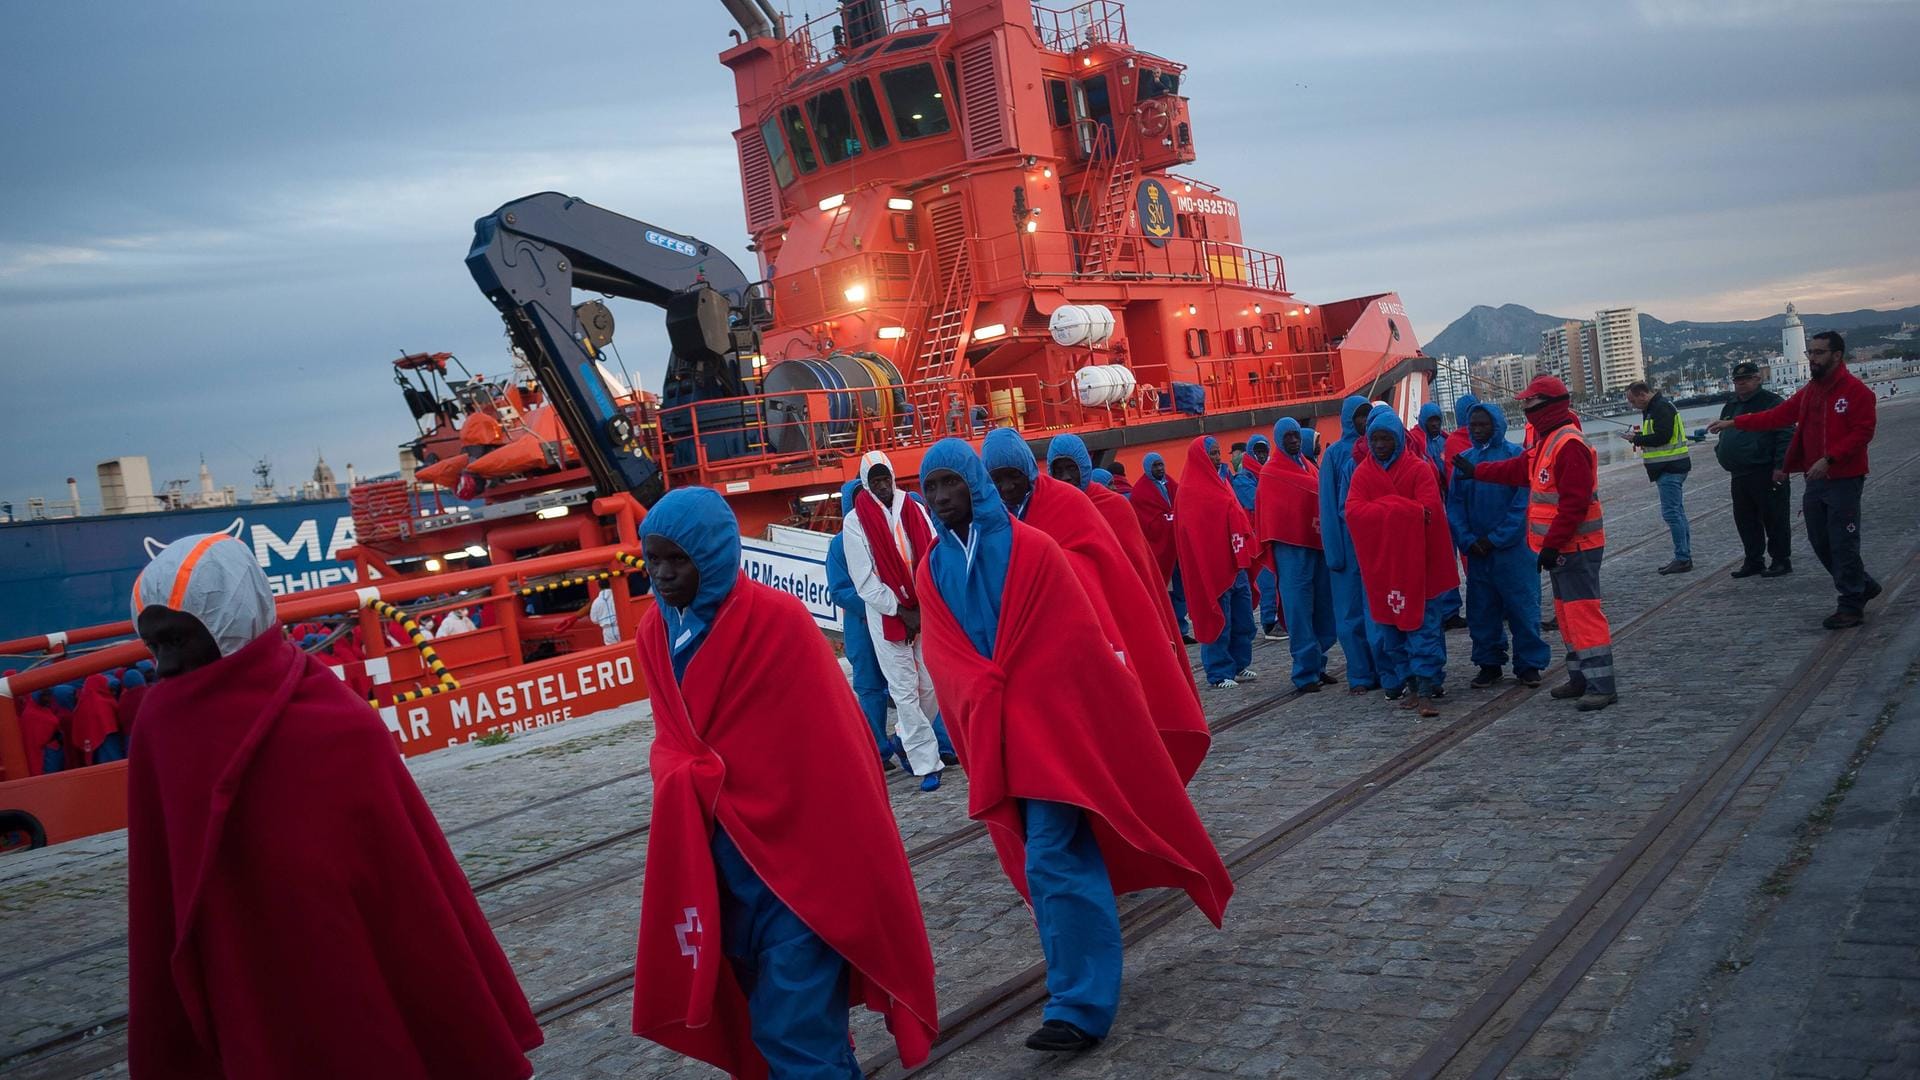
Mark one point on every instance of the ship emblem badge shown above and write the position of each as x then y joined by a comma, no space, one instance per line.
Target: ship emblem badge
1155,205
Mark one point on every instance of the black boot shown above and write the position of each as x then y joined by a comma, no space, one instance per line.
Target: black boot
1526,676
1059,1036
1749,570
1572,688
1489,674
1780,568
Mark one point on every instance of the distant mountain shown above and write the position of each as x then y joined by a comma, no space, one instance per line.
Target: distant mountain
1511,328
1488,331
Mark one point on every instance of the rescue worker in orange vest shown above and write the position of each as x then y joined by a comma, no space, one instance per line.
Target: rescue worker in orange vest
1565,526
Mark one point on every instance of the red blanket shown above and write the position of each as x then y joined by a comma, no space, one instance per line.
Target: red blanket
801,796
1155,514
1458,439
127,709
1215,538
1153,651
1287,503
1126,528
95,716
1399,529
1052,718
894,571
294,911
38,726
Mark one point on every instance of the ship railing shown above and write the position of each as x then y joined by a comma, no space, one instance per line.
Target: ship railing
1072,255
1255,375
1095,22
849,285
824,39
389,672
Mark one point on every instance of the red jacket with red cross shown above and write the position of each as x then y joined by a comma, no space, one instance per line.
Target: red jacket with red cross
1836,417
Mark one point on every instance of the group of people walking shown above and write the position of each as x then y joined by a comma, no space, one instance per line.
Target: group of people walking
1033,609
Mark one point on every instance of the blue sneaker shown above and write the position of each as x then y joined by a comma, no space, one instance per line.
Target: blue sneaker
931,782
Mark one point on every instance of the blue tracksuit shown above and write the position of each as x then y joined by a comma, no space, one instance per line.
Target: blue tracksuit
869,684
1305,591
1436,453
1245,484
795,984
1072,896
1418,655
1503,589
1232,652
1350,619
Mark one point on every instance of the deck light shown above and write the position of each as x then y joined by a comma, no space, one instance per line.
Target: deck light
899,204
856,293
476,551
1294,312
551,513
1086,61
1047,172
433,566
917,116
818,496
833,202
454,556
1032,225
1308,309
1193,309
891,333
1256,309
990,331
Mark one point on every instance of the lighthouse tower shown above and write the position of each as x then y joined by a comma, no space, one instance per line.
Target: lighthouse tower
1793,347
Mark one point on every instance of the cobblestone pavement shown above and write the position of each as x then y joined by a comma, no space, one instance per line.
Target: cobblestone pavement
1345,956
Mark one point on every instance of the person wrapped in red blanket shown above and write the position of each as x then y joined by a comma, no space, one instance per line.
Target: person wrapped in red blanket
777,891
1148,646
1405,545
1217,547
1287,519
1063,763
293,909
1152,502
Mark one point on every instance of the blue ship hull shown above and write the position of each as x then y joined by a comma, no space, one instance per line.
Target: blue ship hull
74,572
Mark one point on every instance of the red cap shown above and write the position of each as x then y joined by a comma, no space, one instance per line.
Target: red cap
1543,386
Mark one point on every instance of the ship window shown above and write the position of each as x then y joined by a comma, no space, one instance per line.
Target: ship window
1059,105
914,95
1155,84
796,130
869,108
777,151
1198,343
833,126
911,41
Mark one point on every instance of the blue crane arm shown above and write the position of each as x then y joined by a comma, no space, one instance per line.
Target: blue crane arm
529,256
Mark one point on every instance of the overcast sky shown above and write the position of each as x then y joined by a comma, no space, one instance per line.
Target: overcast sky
223,219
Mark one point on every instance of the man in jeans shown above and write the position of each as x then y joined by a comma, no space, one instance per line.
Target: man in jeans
1762,509
1663,448
1835,413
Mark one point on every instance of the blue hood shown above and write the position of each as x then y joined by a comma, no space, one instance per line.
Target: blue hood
703,525
1463,405
132,679
1071,446
971,573
1257,440
1309,439
1146,472
1347,424
1005,449
1499,423
65,696
1383,418
1432,409
847,491
1103,478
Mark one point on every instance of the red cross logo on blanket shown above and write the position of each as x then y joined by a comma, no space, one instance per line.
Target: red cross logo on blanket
1397,601
688,934
1840,405
1239,542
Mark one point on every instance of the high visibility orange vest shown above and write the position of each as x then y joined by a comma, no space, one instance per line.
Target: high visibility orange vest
1544,504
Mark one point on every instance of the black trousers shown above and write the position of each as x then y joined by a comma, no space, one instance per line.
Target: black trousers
1832,509
1763,512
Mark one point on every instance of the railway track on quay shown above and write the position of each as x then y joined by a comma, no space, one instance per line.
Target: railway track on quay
91,1047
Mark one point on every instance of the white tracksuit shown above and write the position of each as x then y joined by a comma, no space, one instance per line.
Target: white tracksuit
900,661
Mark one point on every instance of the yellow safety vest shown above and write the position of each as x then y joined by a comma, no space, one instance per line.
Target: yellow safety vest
1675,447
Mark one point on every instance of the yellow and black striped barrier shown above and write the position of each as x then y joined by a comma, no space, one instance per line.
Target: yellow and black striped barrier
447,683
636,563
561,583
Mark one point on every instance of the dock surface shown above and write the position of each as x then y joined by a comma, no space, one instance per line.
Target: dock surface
1719,876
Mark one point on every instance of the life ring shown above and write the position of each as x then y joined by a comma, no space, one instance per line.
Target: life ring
21,831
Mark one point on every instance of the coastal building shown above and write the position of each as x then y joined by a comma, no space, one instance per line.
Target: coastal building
1500,376
1569,351
1793,348
1452,377
1618,356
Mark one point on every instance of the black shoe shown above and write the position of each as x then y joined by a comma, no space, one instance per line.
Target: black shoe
1454,622
1778,569
1487,677
1549,624
1596,701
1569,690
1842,620
1873,590
1526,676
1749,570
948,757
1058,1036
1434,693
1189,638
1310,688
1396,695
1677,566
1327,680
